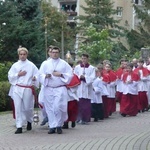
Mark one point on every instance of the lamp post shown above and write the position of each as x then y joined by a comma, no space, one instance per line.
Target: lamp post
3,24
62,42
46,20
62,32
1,34
2,1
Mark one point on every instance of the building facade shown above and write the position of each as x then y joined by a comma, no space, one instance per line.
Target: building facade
124,12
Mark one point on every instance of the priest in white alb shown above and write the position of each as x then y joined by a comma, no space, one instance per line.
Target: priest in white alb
54,76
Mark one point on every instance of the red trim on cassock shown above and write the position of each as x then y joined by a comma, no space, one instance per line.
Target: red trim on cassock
119,72
75,81
134,76
145,71
109,76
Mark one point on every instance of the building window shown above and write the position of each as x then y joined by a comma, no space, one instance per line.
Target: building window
119,11
136,1
68,7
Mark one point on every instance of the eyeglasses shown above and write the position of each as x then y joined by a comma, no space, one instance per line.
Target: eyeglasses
55,52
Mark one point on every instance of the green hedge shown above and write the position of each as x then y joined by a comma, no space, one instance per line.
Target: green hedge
5,102
4,68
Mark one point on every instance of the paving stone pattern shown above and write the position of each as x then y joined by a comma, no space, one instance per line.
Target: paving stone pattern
114,133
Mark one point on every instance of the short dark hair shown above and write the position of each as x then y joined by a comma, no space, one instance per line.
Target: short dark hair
123,60
130,65
100,67
141,60
56,48
85,55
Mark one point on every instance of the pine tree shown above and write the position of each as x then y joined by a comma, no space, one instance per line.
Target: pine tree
100,13
141,37
22,20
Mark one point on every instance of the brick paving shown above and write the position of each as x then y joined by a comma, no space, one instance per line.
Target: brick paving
114,133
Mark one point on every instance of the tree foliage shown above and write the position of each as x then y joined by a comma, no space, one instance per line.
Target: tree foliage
56,22
26,25
141,38
97,44
20,29
100,14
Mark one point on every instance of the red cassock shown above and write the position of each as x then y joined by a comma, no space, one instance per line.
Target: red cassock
142,95
119,73
129,102
134,76
145,71
109,103
73,105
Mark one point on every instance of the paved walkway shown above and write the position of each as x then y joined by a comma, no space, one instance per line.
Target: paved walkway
114,133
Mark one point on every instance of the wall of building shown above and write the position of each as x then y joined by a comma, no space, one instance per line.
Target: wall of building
127,19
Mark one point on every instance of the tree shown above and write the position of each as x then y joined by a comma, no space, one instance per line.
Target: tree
141,37
26,25
98,45
20,30
56,23
100,14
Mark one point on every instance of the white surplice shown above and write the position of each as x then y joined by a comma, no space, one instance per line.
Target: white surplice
130,88
98,88
23,97
55,91
85,88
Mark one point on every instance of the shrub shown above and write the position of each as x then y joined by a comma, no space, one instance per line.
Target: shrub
4,98
4,68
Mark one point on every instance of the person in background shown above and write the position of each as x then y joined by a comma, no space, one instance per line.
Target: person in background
148,82
72,101
41,95
119,73
22,76
129,101
135,63
86,73
98,90
142,86
109,77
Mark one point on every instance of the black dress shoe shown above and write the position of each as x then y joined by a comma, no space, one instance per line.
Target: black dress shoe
59,130
73,124
65,126
51,131
124,115
45,120
95,119
29,126
18,131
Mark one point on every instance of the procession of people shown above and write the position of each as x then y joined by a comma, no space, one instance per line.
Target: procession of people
76,92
